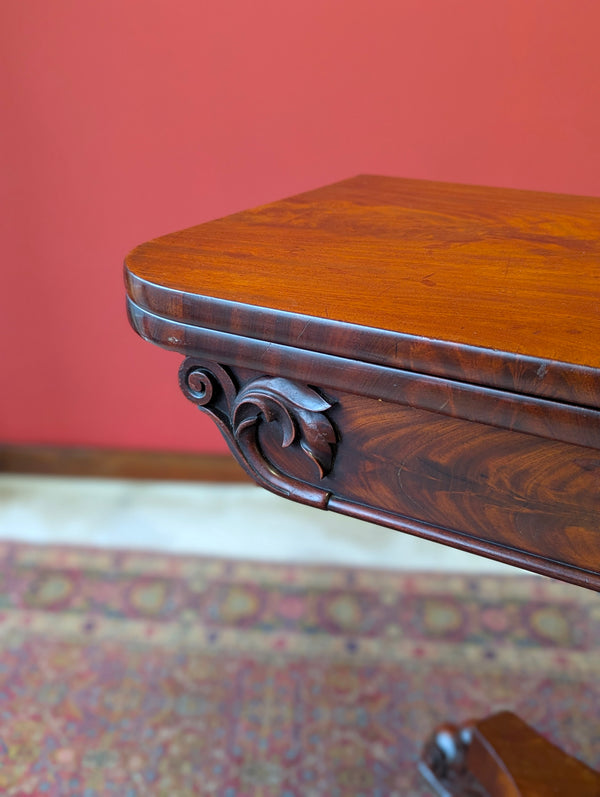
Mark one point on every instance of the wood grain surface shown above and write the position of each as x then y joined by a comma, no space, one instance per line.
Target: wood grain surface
493,268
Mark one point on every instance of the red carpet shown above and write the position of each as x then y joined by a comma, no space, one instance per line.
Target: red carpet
140,674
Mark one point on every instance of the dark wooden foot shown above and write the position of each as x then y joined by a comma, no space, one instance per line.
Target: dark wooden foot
444,762
502,756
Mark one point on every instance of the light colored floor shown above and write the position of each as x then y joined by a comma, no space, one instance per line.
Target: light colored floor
238,521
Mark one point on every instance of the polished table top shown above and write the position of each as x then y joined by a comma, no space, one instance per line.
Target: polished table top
442,340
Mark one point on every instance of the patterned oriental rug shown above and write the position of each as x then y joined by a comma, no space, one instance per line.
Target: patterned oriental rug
141,674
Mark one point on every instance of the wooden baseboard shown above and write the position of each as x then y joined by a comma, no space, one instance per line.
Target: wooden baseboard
67,461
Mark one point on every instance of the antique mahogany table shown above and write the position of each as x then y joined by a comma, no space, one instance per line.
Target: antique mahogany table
421,355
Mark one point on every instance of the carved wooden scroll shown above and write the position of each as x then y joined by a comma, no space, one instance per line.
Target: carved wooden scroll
297,411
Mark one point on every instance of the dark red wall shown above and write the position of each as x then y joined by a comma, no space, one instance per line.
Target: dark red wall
126,119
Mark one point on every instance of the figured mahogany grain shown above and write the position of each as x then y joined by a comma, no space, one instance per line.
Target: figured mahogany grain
492,268
515,490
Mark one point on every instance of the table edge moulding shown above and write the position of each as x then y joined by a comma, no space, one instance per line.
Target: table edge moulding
421,355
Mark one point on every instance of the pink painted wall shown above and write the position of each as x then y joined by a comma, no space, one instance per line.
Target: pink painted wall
126,119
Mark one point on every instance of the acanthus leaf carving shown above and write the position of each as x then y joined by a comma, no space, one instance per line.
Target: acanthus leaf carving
299,411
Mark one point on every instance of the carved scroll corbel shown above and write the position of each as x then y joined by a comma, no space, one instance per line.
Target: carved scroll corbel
296,410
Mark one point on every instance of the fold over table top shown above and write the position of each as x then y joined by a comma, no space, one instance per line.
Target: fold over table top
495,287
419,355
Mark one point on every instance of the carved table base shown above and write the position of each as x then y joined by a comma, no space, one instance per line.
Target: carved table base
502,756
